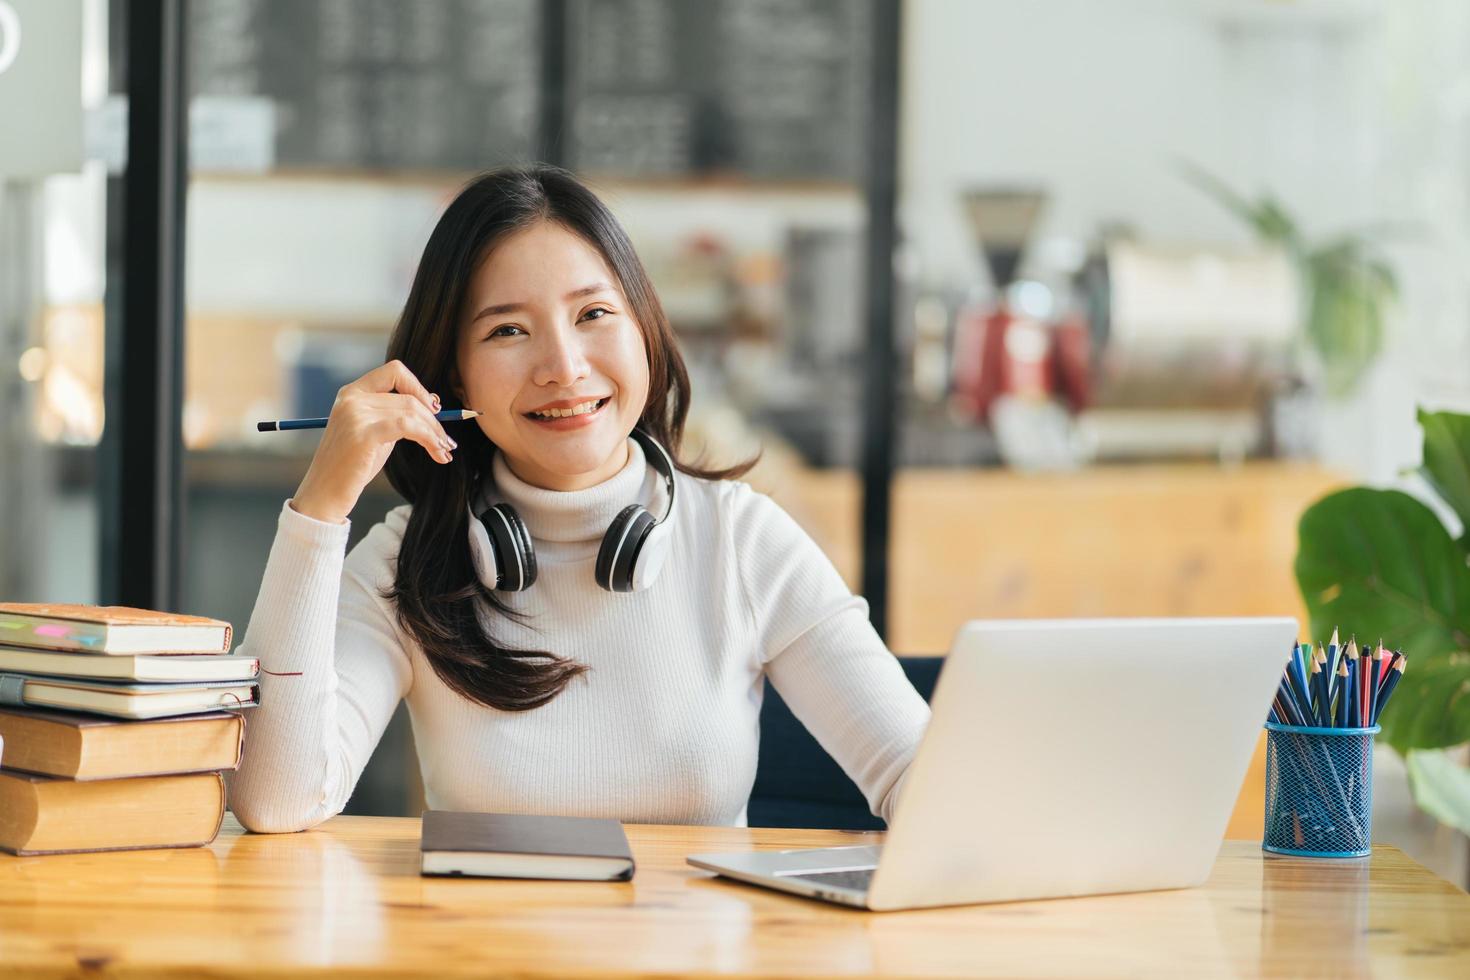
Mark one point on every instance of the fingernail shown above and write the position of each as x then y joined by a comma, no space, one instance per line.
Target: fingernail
436,402
452,443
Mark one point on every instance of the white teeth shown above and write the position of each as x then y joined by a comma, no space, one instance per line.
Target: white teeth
562,413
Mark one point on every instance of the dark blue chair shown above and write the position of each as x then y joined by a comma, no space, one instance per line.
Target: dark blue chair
796,782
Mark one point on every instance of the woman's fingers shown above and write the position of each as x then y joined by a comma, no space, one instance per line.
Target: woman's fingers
432,427
407,418
395,376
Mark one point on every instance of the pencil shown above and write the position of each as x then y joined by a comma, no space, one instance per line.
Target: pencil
1319,708
1334,654
1380,674
282,425
1300,699
1366,686
1328,677
1351,691
1340,719
1395,674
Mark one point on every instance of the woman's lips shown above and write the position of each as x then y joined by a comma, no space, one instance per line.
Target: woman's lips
571,421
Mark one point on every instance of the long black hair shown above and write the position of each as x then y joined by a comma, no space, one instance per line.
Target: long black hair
437,593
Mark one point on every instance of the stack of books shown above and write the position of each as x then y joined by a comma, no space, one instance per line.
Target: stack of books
112,729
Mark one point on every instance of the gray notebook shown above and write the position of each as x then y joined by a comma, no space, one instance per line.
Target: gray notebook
504,845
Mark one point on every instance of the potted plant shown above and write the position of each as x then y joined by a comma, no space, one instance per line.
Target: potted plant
1348,287
1381,564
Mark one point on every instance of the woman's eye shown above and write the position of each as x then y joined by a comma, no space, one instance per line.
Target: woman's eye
600,311
500,330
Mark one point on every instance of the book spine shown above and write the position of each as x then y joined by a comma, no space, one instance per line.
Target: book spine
53,634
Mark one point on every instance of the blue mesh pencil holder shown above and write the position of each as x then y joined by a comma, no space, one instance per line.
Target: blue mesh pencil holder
1319,791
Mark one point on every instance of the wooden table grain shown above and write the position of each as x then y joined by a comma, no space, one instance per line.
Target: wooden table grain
347,898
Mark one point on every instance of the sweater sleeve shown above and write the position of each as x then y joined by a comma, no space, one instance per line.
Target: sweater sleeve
822,653
338,670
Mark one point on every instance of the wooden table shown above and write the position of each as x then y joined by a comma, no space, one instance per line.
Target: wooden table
347,898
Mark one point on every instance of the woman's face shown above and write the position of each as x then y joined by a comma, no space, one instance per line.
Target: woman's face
548,329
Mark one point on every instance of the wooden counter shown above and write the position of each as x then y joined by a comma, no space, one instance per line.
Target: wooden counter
347,899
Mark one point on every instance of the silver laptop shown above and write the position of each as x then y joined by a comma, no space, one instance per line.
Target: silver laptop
1064,757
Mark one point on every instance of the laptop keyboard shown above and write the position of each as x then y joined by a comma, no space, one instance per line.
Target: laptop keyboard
856,880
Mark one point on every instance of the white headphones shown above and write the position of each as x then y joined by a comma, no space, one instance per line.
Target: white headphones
632,553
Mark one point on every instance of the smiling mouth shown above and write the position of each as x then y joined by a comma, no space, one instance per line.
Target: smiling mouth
586,408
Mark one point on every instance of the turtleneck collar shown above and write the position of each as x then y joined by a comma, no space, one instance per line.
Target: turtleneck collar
577,515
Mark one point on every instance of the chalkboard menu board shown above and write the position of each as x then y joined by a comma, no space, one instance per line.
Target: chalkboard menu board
761,88
651,88
379,84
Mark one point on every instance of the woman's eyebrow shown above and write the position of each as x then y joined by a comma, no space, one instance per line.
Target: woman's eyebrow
596,287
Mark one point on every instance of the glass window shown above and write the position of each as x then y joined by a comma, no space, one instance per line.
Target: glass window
328,136
53,226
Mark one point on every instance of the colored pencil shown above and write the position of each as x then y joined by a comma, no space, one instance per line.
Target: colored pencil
1395,674
1319,710
1299,696
1350,692
283,425
1334,655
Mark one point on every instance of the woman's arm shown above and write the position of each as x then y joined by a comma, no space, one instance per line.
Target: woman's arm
822,653
332,664
337,670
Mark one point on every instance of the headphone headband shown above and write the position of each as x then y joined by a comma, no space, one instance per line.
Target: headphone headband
633,549
659,460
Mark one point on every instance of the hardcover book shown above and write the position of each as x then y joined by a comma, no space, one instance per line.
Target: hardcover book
503,845
43,815
84,747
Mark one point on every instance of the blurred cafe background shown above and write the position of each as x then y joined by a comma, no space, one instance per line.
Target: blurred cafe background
998,288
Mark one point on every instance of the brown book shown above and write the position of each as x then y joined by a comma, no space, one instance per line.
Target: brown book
42,815
110,629
505,845
83,747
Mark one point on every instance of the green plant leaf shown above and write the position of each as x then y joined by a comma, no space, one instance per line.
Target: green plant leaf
1268,219
1379,564
1345,315
1446,464
1274,224
1216,188
1441,787
1430,707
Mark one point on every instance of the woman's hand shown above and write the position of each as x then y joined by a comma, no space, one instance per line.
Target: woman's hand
369,416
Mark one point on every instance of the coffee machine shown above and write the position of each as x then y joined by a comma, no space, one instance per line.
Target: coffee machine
1005,347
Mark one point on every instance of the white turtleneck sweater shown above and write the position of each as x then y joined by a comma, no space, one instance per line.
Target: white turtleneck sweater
663,728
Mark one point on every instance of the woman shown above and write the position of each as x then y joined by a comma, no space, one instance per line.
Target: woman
561,650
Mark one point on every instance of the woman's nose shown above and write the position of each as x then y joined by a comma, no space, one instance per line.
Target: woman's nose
562,362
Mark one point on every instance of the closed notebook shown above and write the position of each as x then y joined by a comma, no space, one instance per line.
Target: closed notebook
170,668
109,629
124,700
503,845
83,747
43,815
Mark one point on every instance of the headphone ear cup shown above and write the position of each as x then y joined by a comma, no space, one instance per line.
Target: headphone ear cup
482,553
511,544
617,545
527,550
643,522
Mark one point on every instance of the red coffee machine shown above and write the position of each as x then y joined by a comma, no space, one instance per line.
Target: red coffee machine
1000,349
